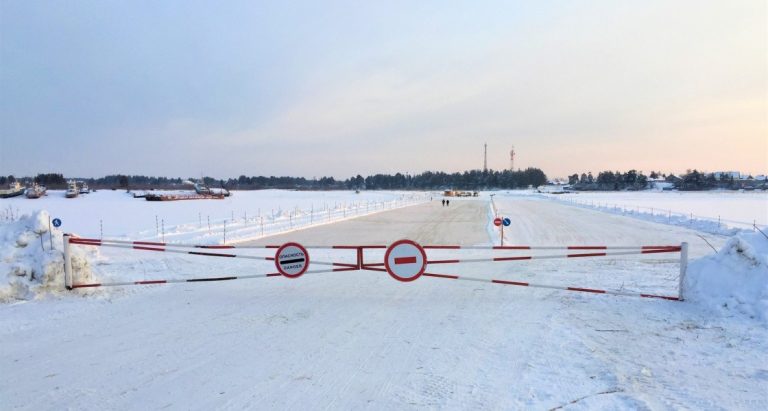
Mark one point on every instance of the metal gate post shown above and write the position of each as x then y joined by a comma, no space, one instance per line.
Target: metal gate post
67,263
683,269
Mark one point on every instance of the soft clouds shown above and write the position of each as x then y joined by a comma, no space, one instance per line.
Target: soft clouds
350,88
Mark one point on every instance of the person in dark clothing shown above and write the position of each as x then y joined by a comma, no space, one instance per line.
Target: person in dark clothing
447,202
443,202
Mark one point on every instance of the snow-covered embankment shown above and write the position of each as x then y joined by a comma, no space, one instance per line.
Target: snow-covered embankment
28,266
733,280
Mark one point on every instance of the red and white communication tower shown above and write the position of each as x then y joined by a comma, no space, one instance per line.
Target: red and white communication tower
512,159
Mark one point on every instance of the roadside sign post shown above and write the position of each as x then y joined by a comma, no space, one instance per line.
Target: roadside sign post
505,222
498,223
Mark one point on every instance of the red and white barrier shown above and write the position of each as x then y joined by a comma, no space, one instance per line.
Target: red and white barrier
552,287
197,280
138,245
403,255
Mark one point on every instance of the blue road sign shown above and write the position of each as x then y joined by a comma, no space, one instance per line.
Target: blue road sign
506,221
56,222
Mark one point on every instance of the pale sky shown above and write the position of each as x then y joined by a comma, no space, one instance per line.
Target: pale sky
339,88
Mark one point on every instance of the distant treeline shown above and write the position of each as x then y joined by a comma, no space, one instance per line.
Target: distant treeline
468,180
692,180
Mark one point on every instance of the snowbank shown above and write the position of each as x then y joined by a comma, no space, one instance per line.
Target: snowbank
28,265
733,280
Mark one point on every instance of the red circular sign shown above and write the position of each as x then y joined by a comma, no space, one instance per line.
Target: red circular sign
405,260
292,260
497,221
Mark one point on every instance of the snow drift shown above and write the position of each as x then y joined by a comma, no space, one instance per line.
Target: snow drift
735,279
28,265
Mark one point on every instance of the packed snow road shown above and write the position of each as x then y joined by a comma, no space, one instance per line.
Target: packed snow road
362,340
537,221
461,222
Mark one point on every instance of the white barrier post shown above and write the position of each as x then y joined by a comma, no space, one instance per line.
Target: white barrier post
50,231
67,264
683,269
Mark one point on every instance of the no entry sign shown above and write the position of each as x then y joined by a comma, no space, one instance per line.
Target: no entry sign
497,221
292,260
405,260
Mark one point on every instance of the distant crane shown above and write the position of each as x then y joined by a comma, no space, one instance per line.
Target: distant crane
512,159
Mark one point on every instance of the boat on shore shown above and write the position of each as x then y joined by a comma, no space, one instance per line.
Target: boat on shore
202,189
36,191
178,197
84,188
14,189
72,190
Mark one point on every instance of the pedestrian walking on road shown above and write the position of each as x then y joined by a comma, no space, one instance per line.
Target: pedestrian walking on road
443,202
447,202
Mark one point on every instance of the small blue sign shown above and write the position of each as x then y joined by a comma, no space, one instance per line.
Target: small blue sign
506,221
56,222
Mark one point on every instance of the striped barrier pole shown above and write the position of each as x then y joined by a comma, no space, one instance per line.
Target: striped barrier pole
197,280
555,256
361,265
552,287
98,243
426,247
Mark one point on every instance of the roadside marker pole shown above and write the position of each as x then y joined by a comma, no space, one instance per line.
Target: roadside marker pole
162,227
683,269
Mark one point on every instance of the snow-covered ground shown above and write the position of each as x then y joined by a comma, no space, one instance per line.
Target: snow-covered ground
360,339
732,208
244,215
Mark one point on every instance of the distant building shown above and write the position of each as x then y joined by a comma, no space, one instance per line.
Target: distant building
660,184
719,175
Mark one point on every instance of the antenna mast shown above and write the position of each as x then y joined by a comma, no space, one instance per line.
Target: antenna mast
512,159
485,157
